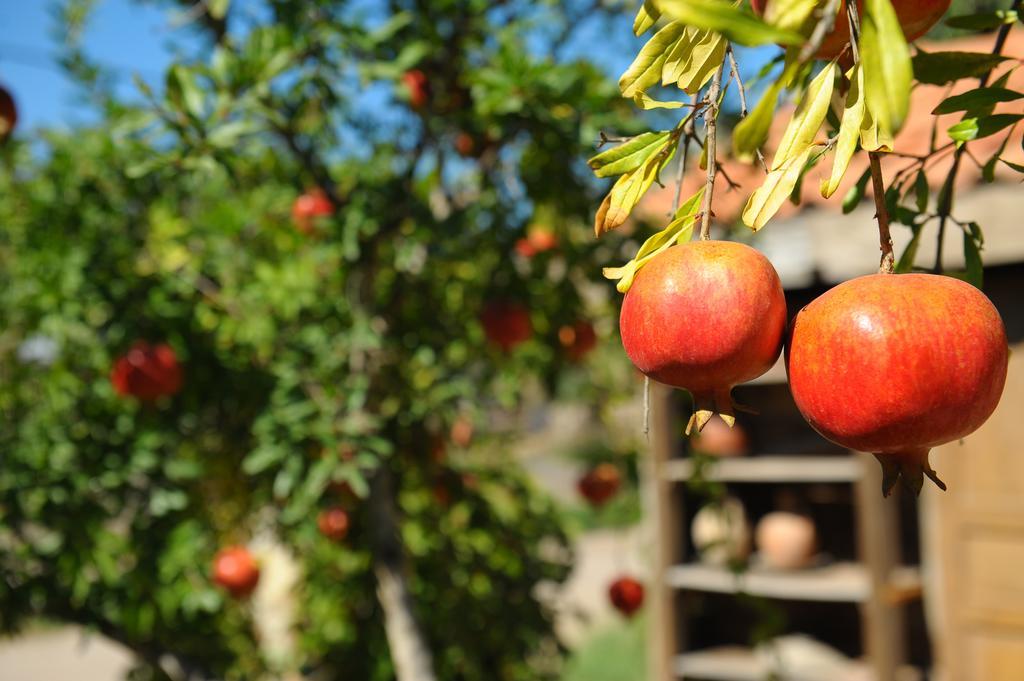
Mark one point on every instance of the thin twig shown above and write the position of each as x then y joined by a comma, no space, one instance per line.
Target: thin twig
710,144
882,215
734,67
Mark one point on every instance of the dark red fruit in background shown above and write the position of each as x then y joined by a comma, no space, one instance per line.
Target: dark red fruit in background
705,316
461,432
506,324
718,439
896,364
417,86
333,523
147,372
465,144
236,570
310,206
600,484
578,339
537,240
8,114
626,595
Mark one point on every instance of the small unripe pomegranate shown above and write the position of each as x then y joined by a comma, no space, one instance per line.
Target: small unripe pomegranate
718,439
600,484
705,316
310,206
916,17
236,570
333,523
147,372
721,533
626,595
8,114
417,87
896,364
785,541
578,339
506,324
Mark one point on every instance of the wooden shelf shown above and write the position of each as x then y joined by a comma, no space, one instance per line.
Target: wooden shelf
838,468
736,663
841,582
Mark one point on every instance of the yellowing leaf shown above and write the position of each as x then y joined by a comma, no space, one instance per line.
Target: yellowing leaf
627,192
790,15
677,231
751,132
629,155
645,101
679,57
646,17
765,202
706,57
809,116
887,66
645,70
723,17
873,138
849,132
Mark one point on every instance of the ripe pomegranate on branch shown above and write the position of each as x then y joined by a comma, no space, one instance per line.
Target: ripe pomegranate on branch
892,364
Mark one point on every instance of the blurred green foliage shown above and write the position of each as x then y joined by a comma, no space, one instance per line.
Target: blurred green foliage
312,361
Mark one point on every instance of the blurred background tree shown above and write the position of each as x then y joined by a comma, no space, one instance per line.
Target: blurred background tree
359,234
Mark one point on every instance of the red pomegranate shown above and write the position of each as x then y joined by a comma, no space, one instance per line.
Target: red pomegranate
417,86
236,570
578,339
147,372
8,114
506,324
333,523
599,484
461,432
718,439
465,144
705,316
915,16
626,595
310,206
897,364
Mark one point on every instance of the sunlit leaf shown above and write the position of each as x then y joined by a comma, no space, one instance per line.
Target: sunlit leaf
769,197
809,116
976,128
790,15
629,155
722,17
885,57
849,132
645,71
646,17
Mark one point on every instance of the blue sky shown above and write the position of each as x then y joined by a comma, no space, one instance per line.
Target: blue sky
123,34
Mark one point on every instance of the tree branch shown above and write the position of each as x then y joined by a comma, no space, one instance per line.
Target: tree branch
888,261
710,126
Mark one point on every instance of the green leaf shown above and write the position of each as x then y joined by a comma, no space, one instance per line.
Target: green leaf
646,17
705,58
972,259
735,24
751,132
677,231
646,102
982,22
906,261
629,155
645,71
627,192
887,67
974,99
1014,166
849,132
790,15
217,9
183,92
921,191
940,68
856,193
809,116
769,197
976,128
227,134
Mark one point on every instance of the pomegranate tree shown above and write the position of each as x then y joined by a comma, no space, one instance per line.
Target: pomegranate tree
898,364
147,372
235,569
626,595
705,316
